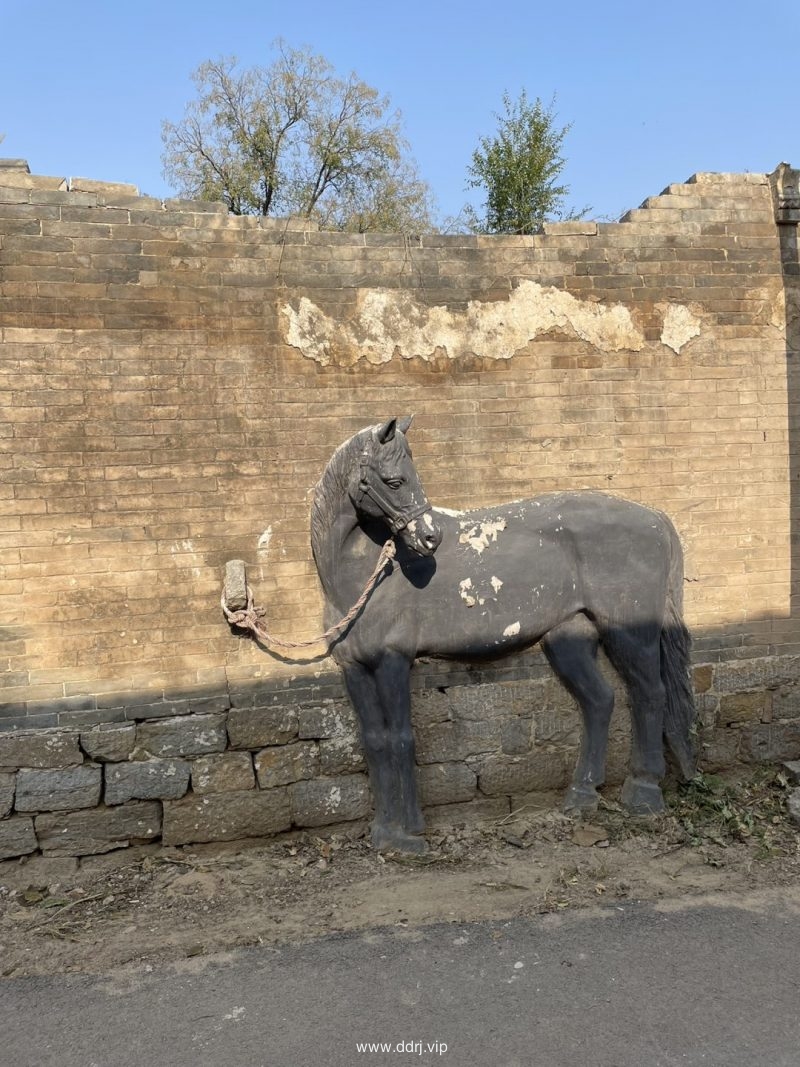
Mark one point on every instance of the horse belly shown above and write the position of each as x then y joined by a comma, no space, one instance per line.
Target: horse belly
489,619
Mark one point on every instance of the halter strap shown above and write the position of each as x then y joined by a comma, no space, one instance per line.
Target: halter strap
397,518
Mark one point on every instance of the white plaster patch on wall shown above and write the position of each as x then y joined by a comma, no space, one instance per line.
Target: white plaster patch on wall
391,323
264,539
679,327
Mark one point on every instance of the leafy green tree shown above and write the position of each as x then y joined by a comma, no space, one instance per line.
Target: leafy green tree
294,138
519,169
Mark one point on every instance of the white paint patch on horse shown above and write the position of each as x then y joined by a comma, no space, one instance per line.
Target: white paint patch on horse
428,520
464,588
480,535
412,526
449,511
496,584
512,630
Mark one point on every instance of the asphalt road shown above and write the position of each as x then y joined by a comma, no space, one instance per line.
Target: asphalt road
626,987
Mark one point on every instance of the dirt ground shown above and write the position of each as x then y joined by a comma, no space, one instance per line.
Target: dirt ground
150,904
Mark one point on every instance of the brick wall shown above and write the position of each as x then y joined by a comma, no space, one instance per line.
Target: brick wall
174,380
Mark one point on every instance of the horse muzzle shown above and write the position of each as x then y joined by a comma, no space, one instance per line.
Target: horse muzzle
422,535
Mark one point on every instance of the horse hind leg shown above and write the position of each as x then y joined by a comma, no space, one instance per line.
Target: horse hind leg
571,650
636,656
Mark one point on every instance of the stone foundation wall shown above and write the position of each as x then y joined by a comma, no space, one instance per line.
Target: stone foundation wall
173,381
484,747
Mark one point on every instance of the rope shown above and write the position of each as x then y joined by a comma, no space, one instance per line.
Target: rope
248,618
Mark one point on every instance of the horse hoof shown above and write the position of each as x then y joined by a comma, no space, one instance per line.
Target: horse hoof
581,798
640,797
393,839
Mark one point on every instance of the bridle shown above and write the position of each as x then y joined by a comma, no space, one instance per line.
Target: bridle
396,518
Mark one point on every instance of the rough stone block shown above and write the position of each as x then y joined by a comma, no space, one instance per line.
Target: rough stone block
448,742
258,727
446,783
556,726
158,779
793,806
719,749
792,770
702,677
7,782
88,833
324,801
226,816
341,755
235,587
771,742
58,790
768,673
786,703
523,774
45,748
285,764
17,837
225,772
326,721
429,707
742,707
190,736
109,743
515,736
469,813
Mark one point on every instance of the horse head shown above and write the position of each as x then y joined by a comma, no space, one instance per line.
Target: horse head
387,487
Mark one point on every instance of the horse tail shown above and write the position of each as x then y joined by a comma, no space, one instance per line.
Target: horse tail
680,714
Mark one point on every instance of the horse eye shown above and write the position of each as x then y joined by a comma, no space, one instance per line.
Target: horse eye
394,483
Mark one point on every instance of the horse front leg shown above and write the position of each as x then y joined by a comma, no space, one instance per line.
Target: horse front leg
393,677
363,692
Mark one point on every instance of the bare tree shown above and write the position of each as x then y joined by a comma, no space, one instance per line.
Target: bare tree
294,138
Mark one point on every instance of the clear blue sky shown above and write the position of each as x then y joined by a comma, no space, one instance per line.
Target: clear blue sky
655,91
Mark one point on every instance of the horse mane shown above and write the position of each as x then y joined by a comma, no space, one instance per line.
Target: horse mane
333,485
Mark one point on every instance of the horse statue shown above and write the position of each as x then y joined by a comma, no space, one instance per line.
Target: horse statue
574,570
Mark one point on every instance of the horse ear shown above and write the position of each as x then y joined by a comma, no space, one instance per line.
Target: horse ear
404,424
386,432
